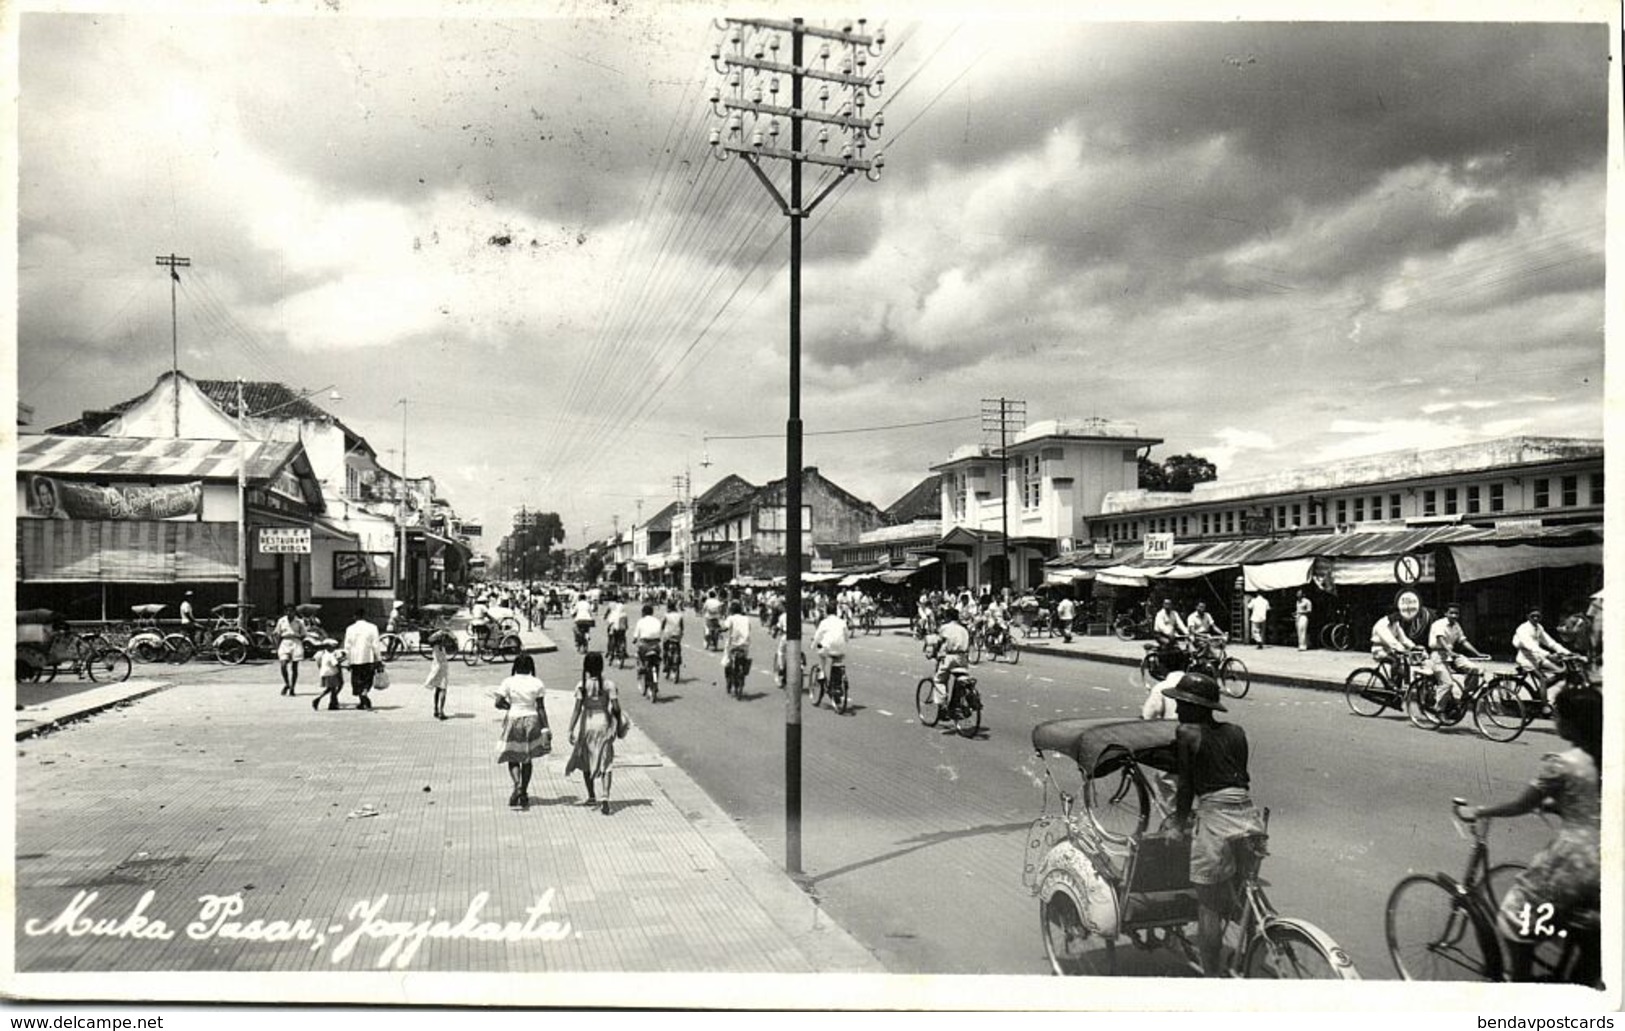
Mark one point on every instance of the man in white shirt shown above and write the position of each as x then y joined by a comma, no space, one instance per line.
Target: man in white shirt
671,638
1389,645
646,635
361,652
829,641
1171,634
711,611
1535,650
615,621
1300,619
736,634
1258,614
582,614
1065,613
953,644
1201,622
1446,643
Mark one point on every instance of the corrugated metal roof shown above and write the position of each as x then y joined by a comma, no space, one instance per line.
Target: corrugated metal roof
150,458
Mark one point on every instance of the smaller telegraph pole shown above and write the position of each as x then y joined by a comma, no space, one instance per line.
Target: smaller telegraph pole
173,262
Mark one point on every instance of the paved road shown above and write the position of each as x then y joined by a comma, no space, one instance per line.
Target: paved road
913,839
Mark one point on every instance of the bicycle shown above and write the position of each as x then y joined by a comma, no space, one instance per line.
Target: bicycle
615,651
1370,690
649,674
86,656
1439,928
1129,627
1514,700
671,659
1496,717
1210,655
839,687
1336,634
868,623
963,707
997,643
490,644
735,672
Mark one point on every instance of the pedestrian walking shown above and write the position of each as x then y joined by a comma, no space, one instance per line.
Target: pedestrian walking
1300,619
439,671
1258,614
290,648
361,651
526,736
595,723
329,662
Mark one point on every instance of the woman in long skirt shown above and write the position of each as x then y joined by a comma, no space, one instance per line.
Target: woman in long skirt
592,730
525,735
439,673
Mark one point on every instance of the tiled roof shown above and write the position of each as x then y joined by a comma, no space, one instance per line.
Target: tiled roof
150,458
923,501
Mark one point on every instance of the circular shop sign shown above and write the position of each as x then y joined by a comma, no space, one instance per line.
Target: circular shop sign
1407,569
1408,604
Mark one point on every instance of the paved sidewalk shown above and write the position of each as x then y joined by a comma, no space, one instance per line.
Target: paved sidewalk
351,833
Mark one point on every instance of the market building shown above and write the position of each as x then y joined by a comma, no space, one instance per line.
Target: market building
1496,526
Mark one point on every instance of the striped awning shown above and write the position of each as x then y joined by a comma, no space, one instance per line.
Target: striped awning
148,458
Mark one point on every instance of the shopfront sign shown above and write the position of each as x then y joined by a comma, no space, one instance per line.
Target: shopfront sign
285,540
1159,547
1103,549
363,570
51,498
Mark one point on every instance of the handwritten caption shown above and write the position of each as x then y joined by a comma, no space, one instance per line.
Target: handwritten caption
218,918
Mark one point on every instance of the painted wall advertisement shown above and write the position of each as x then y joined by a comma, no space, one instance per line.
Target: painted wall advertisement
51,498
363,571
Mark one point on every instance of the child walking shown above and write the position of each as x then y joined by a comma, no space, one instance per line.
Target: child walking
439,673
328,660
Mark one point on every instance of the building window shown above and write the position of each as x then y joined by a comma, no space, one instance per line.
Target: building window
1359,510
1430,502
1204,524
1393,506
1297,516
1342,510
1472,500
1596,488
1571,491
1450,501
1543,493
1376,507
1498,497
1031,479
1184,526
1230,521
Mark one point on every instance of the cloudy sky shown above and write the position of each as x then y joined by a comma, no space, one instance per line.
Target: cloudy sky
1266,243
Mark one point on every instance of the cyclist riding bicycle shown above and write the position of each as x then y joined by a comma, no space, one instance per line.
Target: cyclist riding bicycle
1390,645
1172,636
951,646
646,637
1563,879
479,627
1446,642
829,641
615,622
582,615
711,610
736,629
671,637
1535,650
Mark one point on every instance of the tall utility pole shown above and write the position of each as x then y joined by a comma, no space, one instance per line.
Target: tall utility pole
242,505
685,504
401,585
1002,415
173,262
751,52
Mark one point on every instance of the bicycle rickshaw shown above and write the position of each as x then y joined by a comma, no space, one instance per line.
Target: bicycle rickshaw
47,646
1108,867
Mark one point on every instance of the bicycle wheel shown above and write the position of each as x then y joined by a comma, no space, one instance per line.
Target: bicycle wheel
508,625
1365,691
390,646
1326,635
1118,803
470,651
231,650
179,648
1419,706
110,666
818,688
975,653
928,711
1150,671
147,650
1068,942
1436,934
971,723
1284,950
509,648
1233,678
1499,712
1013,651
841,697
1125,628
1340,636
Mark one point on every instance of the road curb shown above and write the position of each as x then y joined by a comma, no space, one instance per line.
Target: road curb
79,712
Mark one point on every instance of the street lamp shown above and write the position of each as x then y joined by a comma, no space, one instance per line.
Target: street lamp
748,60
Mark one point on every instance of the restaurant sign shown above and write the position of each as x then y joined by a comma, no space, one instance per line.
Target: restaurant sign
285,540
